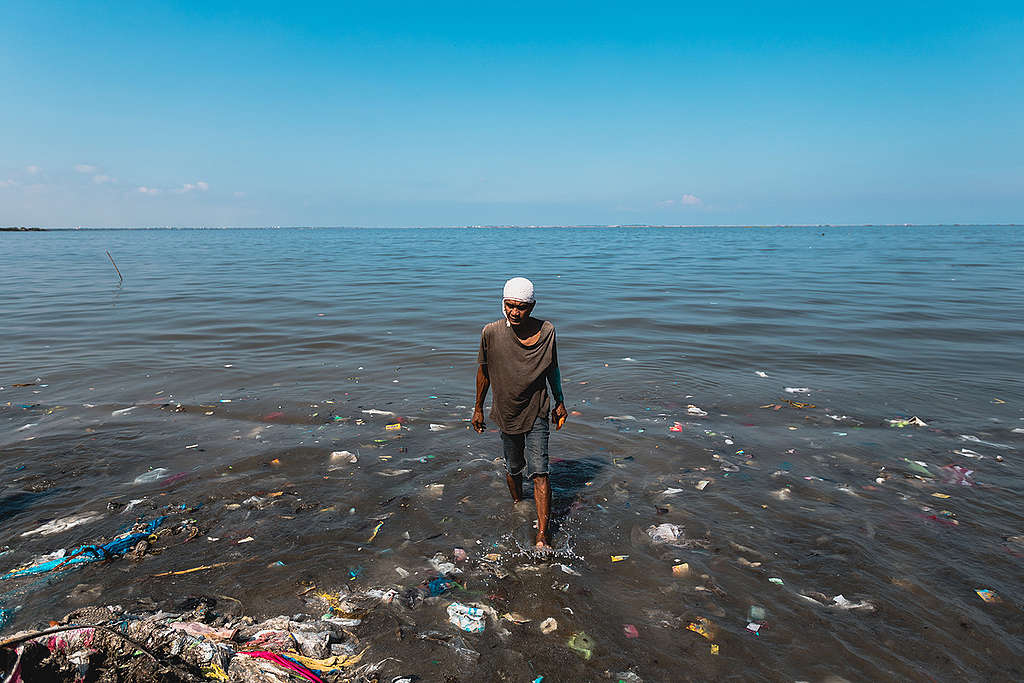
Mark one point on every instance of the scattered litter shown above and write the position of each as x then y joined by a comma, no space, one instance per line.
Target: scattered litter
375,530
714,648
393,473
902,422
756,613
754,628
701,626
549,625
694,410
760,373
87,553
124,411
341,457
582,644
842,603
437,427
797,390
918,466
152,476
567,569
435,490
798,405
968,453
777,581
469,619
681,570
663,533
987,595
516,618
374,411
974,439
63,524
676,427
670,492
619,558
619,417
394,427
200,568
702,484
956,474
630,631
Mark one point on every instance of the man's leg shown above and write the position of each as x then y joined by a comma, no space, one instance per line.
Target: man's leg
542,496
513,446
515,486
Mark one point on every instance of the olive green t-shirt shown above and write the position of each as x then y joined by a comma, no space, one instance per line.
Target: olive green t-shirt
517,373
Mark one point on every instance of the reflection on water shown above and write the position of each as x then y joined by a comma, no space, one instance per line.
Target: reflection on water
250,356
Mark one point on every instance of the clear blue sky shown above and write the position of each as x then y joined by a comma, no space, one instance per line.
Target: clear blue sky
433,113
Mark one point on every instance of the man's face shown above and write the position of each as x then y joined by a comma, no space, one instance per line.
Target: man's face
517,311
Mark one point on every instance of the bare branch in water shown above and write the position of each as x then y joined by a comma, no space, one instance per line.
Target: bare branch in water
115,267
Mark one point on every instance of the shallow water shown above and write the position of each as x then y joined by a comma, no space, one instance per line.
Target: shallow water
248,356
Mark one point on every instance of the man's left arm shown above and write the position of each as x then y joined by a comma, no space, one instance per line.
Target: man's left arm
554,378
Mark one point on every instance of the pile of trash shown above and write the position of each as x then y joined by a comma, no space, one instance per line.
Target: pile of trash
110,644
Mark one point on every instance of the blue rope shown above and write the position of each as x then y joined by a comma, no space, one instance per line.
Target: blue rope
90,553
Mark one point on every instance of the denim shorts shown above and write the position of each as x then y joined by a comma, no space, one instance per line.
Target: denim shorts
527,452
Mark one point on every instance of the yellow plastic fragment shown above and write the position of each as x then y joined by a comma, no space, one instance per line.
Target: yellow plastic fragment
215,672
329,663
714,648
941,495
619,558
701,626
375,530
195,569
393,427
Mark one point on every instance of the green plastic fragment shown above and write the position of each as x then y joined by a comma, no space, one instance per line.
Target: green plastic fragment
582,644
915,466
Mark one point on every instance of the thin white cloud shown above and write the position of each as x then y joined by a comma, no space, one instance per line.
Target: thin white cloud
101,179
685,200
147,190
8,183
86,168
199,185
33,169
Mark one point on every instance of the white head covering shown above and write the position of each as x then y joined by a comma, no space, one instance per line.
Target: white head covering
519,289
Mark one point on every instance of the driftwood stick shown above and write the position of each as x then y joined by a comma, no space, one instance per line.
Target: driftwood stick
115,267
35,634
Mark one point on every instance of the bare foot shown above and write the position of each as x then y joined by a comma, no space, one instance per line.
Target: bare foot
542,543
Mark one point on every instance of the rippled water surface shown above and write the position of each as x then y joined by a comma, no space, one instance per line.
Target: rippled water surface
247,356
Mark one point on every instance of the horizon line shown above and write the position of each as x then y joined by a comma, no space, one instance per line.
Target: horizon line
507,226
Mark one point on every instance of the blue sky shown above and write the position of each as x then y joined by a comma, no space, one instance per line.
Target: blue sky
403,114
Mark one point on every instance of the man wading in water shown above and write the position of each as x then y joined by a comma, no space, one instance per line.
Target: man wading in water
518,357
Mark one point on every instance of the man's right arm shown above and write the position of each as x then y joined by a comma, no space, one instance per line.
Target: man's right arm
483,383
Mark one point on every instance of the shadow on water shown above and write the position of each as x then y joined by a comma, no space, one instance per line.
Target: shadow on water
569,480
11,506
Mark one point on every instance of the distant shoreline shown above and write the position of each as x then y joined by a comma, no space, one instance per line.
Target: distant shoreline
515,227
